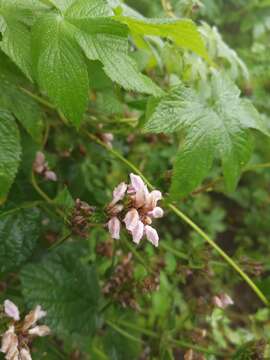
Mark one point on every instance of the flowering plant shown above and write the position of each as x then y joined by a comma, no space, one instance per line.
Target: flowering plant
134,179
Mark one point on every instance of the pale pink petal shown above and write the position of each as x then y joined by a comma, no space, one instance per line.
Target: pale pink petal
9,341
41,330
156,213
153,198
217,302
131,219
139,199
119,192
114,227
25,354
226,300
137,182
151,235
33,317
50,175
40,158
11,310
137,232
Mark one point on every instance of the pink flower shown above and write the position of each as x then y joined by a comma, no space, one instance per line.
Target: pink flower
137,232
153,198
222,301
131,219
50,175
141,208
11,310
114,226
25,354
10,343
41,330
119,193
156,213
151,235
16,339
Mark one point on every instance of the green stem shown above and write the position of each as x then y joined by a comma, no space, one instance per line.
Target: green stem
37,98
188,221
45,196
60,241
123,332
154,335
222,253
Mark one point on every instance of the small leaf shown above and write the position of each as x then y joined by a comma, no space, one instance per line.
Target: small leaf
60,67
66,288
10,152
182,31
19,232
215,127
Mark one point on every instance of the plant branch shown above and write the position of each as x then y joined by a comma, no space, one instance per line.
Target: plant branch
188,221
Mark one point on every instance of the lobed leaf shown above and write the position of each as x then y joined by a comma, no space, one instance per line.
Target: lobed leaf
215,127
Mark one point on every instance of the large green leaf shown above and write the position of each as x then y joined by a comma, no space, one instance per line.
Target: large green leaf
106,40
60,68
182,31
19,232
66,288
10,151
215,127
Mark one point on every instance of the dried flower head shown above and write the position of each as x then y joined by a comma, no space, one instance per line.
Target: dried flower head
79,218
19,335
137,210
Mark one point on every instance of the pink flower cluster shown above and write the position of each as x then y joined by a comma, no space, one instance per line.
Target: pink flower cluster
137,212
20,333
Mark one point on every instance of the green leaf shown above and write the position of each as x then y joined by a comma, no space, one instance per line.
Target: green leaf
215,127
19,232
183,32
66,288
106,40
16,44
25,109
60,67
10,151
88,8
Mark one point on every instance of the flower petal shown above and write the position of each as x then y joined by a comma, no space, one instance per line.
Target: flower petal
153,198
25,354
156,213
33,317
119,192
137,232
9,341
50,175
131,219
151,235
114,227
41,330
11,310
